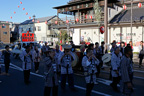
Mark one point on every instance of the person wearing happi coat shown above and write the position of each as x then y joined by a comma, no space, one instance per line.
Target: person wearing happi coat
44,49
66,60
51,73
115,72
89,63
37,58
27,59
126,70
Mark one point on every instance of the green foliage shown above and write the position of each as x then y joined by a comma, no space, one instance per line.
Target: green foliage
63,36
97,11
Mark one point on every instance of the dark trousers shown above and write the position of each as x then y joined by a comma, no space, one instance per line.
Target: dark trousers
89,88
0,70
36,66
116,80
140,59
54,89
70,80
7,64
26,76
98,70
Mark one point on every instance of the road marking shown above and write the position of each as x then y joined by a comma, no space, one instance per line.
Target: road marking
79,87
139,71
136,77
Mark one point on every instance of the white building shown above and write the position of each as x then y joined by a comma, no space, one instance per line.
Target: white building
41,27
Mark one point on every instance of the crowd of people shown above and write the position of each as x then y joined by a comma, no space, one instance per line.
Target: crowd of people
59,64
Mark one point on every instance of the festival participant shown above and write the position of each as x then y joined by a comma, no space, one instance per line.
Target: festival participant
122,46
27,60
113,46
51,70
36,59
126,70
89,64
44,48
66,67
91,46
141,54
58,53
115,72
102,52
96,52
7,54
73,46
131,45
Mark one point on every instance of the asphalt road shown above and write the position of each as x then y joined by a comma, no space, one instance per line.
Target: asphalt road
13,85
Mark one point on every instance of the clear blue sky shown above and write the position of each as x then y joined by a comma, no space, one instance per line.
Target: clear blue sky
41,8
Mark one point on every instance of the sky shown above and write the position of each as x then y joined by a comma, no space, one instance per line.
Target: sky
39,8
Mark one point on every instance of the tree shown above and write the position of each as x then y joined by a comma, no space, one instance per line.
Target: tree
63,36
97,12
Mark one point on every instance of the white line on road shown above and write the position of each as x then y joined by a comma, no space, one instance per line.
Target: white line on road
134,76
79,87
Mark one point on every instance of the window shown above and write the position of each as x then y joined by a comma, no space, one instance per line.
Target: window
49,27
24,34
30,30
78,6
30,34
109,12
117,8
27,34
39,28
87,5
4,33
70,8
3,26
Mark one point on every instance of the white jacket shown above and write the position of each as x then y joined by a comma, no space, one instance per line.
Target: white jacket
115,63
27,60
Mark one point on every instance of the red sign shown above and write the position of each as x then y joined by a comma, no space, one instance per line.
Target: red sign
102,29
27,37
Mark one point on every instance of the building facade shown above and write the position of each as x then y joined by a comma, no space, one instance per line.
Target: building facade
41,27
4,32
85,27
119,28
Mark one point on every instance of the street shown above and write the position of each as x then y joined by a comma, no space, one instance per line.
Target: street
13,85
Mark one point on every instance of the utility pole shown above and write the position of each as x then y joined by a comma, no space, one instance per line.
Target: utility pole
131,17
106,22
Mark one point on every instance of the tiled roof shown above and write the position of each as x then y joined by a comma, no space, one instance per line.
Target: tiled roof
125,16
43,19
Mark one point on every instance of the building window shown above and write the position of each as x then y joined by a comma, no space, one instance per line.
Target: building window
39,28
49,27
109,12
4,33
87,5
30,30
78,6
117,8
70,8
3,26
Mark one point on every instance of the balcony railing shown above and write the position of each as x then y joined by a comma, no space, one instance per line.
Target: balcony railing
77,21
